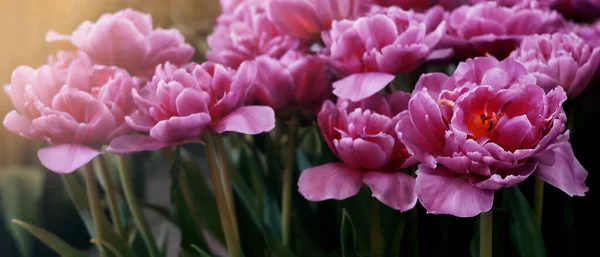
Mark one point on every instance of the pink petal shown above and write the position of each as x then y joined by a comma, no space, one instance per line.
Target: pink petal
134,143
329,181
248,120
359,86
442,191
177,129
566,173
18,124
302,23
66,158
53,36
394,189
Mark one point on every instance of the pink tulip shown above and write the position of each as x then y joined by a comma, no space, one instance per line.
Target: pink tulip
369,51
127,40
559,59
74,106
245,34
179,104
310,17
488,28
363,139
485,128
297,83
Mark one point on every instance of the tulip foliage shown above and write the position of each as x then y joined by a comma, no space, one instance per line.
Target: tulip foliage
319,128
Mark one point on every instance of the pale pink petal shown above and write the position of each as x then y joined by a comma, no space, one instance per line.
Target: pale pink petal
248,120
329,181
18,124
66,158
359,86
177,129
442,191
394,189
134,143
566,173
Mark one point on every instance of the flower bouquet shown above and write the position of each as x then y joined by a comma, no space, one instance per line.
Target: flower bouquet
318,128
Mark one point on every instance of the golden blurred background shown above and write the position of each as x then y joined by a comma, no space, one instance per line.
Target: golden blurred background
24,23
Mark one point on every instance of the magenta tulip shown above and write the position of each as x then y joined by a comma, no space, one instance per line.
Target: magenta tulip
487,127
362,136
369,51
559,59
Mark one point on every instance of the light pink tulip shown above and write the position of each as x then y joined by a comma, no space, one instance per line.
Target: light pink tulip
73,105
245,34
179,104
127,40
362,136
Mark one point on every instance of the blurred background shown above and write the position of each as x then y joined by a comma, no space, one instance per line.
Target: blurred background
29,192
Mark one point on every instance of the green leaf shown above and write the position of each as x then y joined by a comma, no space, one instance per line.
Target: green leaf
185,216
50,240
136,243
200,252
20,194
79,198
525,235
106,246
160,210
347,221
203,196
253,239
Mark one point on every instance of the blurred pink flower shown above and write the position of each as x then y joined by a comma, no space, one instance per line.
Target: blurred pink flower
588,32
369,51
422,5
245,34
310,17
488,28
559,59
364,140
74,106
485,128
126,39
297,83
179,104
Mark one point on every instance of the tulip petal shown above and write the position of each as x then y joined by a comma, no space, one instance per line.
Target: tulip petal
441,191
248,120
329,181
566,173
134,143
66,158
359,86
394,189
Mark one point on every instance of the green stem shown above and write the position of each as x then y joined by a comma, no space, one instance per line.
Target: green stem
94,201
231,240
538,201
134,207
111,196
226,181
485,234
414,227
399,235
286,194
375,229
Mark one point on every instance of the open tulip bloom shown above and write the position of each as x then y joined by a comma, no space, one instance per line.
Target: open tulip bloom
300,101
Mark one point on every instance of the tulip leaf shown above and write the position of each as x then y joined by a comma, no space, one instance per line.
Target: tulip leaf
525,235
55,243
184,207
20,194
200,252
106,246
79,198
